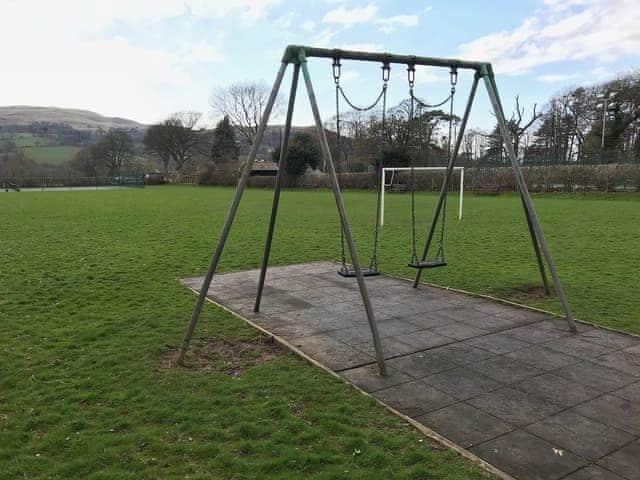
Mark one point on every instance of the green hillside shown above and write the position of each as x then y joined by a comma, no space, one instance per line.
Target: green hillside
78,119
52,155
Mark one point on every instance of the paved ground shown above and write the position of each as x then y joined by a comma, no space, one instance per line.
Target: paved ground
510,385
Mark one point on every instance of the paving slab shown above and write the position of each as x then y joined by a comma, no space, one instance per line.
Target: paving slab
465,424
515,406
505,369
462,383
542,358
614,411
422,364
630,392
558,390
511,384
595,376
498,343
414,398
624,462
627,361
584,436
528,457
593,472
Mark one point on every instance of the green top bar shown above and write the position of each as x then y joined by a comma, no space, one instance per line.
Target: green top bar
291,54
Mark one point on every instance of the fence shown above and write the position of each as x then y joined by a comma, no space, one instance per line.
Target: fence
45,182
558,178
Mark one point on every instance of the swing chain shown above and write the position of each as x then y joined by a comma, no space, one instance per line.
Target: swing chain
453,79
386,75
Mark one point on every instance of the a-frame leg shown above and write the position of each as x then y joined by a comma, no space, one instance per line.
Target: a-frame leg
279,178
242,183
536,248
331,170
447,177
524,191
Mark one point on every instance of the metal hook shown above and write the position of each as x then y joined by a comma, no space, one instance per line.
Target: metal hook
386,71
411,74
454,76
336,69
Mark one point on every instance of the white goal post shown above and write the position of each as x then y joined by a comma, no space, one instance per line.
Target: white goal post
384,185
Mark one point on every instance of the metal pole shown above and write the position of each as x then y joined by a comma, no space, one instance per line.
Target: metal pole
324,144
461,200
526,198
382,180
284,146
242,183
604,122
447,177
536,248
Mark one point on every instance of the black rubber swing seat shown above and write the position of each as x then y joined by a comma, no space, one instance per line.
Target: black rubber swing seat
350,272
427,264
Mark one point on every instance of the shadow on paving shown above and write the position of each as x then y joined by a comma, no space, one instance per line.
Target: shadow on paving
509,384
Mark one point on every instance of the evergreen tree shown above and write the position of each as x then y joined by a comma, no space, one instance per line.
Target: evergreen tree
304,152
224,149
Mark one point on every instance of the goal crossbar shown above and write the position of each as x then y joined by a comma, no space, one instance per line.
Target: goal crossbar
384,185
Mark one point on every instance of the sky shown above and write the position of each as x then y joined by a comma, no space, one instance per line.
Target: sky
144,59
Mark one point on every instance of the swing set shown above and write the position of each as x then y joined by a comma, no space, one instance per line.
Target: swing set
297,56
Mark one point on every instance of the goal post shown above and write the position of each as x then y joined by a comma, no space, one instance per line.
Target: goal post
384,185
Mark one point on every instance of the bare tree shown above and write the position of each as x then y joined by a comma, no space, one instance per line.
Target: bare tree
115,150
174,139
516,126
87,161
182,136
243,103
156,141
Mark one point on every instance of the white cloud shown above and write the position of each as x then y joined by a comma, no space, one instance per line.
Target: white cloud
202,53
250,10
324,38
348,17
563,30
388,25
68,57
309,26
423,75
364,47
351,16
559,77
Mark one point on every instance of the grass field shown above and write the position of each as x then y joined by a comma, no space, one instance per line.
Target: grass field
52,155
90,299
39,148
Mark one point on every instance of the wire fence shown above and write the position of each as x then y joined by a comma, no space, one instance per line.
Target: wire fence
66,182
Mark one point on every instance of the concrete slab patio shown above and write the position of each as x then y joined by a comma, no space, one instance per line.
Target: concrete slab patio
509,384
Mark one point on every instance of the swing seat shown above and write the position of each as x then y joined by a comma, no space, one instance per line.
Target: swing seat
427,264
350,272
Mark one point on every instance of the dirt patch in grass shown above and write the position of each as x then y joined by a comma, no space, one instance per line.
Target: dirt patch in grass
230,357
526,293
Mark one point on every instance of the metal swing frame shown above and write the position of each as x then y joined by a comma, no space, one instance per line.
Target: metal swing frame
297,56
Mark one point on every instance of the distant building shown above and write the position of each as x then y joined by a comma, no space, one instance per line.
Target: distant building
264,169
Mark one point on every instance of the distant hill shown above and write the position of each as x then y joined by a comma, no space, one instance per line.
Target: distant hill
19,115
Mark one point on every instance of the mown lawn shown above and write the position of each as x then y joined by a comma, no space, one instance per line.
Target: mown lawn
90,299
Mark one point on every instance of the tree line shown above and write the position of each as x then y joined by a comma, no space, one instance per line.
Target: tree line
585,124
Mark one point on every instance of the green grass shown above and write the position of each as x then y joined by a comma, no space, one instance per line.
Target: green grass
39,149
53,155
89,299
